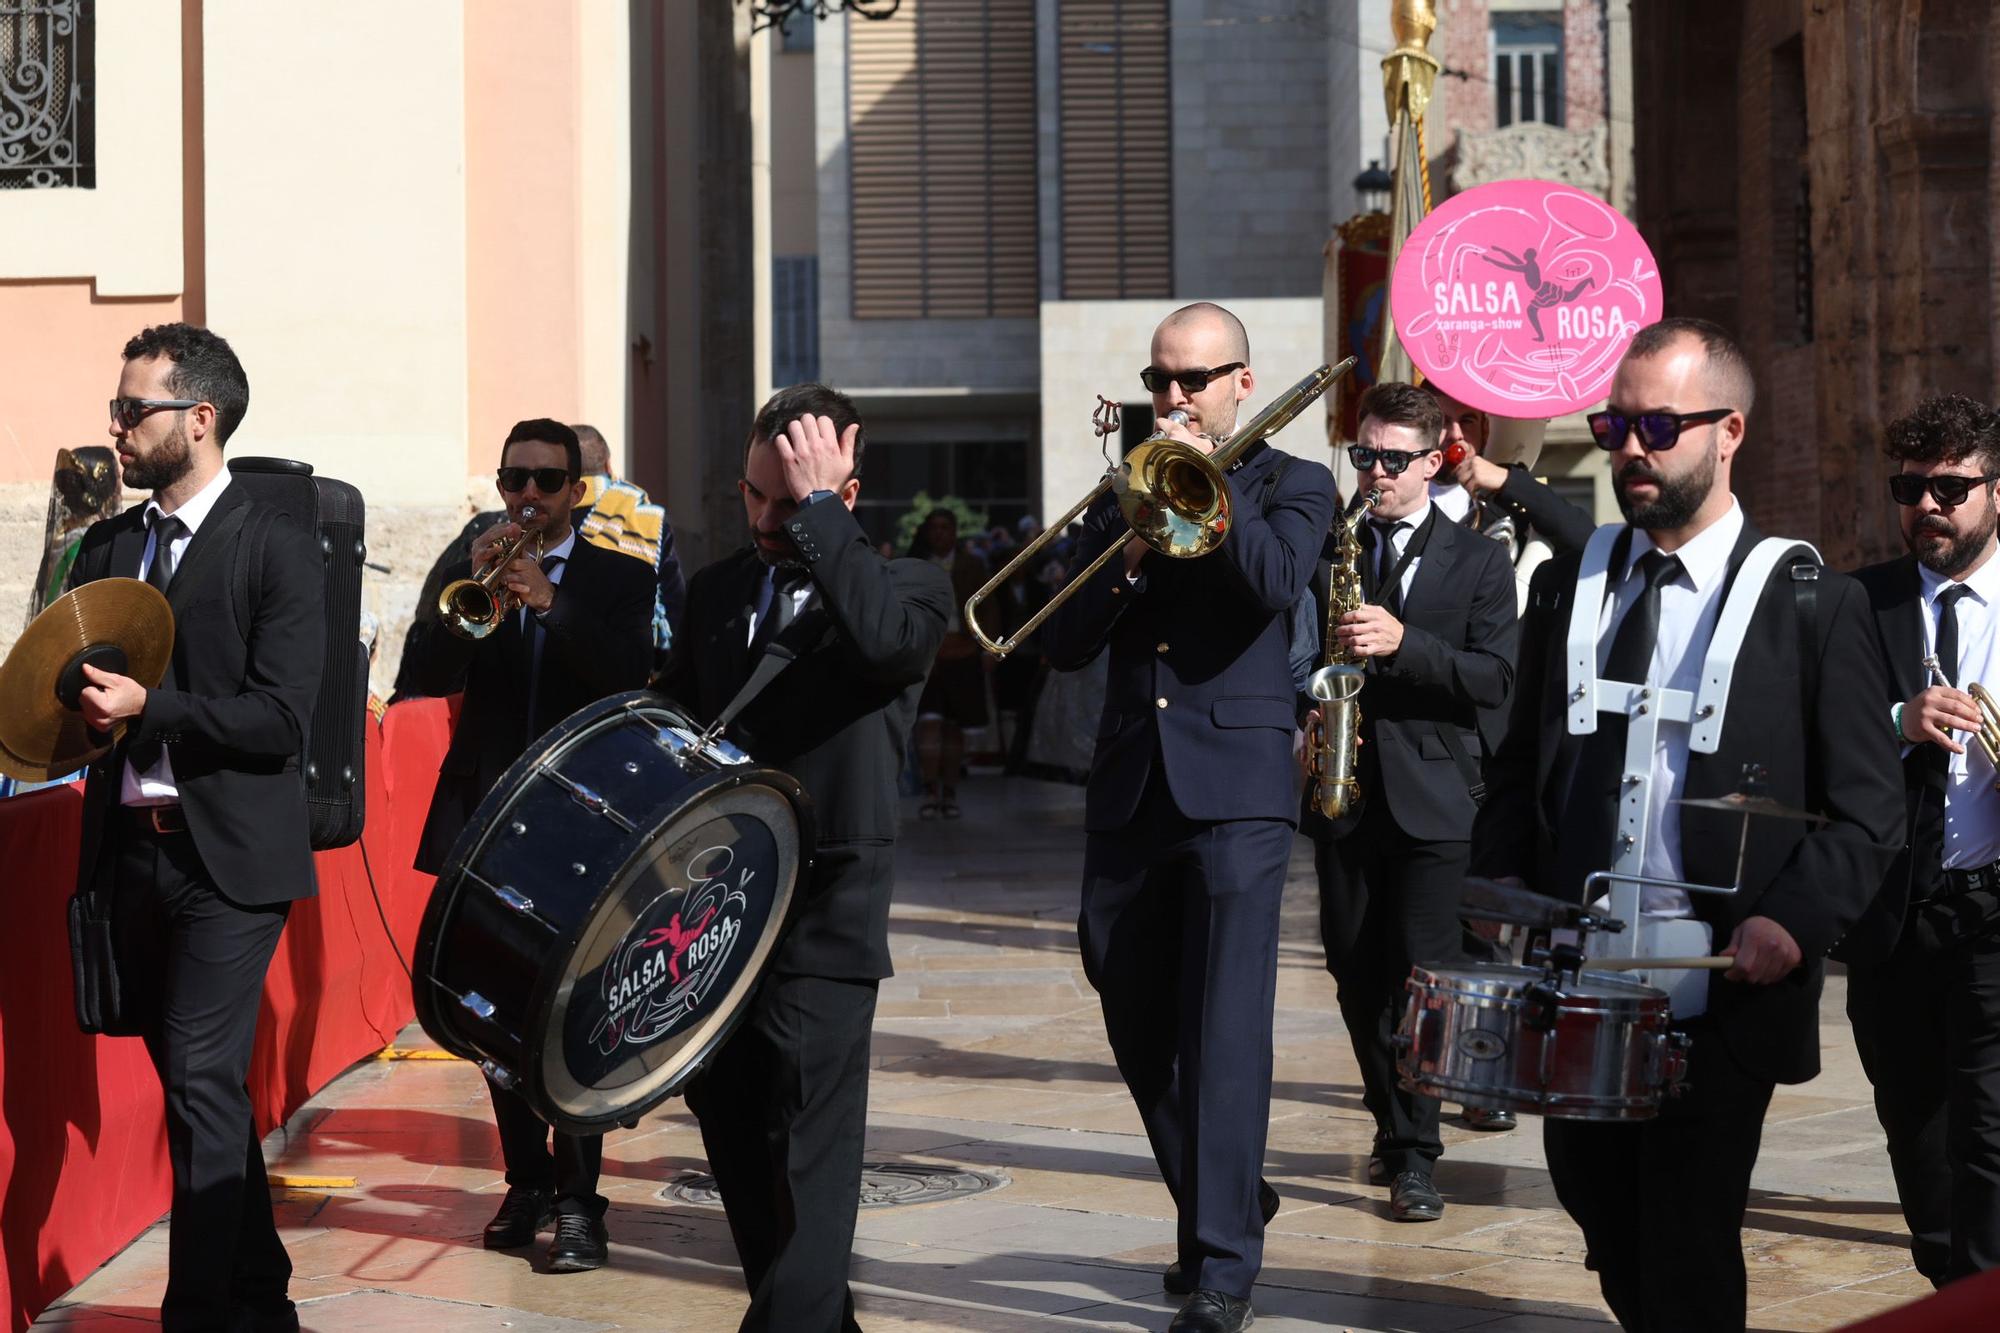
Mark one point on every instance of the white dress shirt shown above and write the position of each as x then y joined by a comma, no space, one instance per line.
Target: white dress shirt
156,785
559,553
1399,541
1690,604
1452,499
1971,805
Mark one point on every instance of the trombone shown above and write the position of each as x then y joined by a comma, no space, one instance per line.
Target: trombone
1988,734
1172,495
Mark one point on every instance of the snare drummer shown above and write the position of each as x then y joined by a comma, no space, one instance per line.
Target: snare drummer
784,1103
582,630
1661,1202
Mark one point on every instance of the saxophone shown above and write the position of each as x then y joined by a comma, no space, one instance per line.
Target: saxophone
1333,741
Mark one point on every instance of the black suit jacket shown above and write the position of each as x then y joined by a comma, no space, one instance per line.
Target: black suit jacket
1455,669
1199,673
1827,753
1895,595
235,704
598,642
837,718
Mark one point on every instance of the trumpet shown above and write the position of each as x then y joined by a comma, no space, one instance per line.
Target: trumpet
1172,495
1988,734
473,608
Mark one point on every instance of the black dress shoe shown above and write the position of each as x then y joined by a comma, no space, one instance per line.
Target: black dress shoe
581,1244
1478,1117
1176,1283
1213,1312
522,1213
1412,1198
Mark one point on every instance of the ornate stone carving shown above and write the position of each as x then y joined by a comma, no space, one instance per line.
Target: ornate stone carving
1574,157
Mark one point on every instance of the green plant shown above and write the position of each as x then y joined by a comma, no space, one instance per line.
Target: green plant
970,520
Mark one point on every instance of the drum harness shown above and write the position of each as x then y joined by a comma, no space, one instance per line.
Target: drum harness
1644,708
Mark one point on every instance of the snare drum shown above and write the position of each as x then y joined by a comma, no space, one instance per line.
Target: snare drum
1506,1038
608,911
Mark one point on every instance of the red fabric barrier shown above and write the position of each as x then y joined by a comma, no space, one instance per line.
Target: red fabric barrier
1971,1302
83,1164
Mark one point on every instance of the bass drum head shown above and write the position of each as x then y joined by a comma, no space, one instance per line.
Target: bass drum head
666,964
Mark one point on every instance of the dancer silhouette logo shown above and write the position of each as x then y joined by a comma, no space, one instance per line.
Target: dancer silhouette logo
1520,297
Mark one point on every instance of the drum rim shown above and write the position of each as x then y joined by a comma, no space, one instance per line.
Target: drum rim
545,750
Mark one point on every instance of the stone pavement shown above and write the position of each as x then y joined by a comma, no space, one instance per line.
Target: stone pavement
990,1058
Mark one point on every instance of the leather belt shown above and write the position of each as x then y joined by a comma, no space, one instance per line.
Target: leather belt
156,819
1980,879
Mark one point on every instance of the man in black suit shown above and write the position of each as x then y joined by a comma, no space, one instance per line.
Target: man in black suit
1190,809
195,825
582,630
784,1104
1437,635
1923,988
1661,1202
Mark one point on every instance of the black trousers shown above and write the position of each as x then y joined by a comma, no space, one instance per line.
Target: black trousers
1179,934
783,1110
1387,901
1661,1202
191,964
1927,1025
568,1171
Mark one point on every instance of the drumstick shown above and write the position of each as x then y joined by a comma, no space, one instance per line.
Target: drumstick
1634,964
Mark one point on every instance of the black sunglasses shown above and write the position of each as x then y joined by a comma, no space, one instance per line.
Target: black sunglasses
129,412
1392,461
1657,430
548,480
1908,488
1192,382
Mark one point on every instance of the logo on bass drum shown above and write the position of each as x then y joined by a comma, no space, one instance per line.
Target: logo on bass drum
664,970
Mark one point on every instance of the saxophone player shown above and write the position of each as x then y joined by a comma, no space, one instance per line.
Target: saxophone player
1435,634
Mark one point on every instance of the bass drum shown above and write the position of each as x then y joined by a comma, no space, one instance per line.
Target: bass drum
608,912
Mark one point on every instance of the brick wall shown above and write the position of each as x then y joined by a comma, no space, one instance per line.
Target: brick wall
1583,64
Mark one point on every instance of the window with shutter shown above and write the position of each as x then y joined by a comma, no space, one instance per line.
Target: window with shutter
1116,123
941,142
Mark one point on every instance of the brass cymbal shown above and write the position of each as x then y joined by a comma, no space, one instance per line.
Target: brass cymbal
40,737
1737,803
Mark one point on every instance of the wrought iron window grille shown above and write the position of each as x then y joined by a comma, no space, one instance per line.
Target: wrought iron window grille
47,107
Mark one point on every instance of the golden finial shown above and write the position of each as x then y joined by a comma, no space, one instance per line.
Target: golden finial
1410,71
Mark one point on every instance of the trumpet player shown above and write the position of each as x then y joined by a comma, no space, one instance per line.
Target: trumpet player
567,623
1924,997
1189,810
1435,633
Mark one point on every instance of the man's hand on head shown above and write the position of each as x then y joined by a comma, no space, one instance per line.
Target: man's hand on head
816,456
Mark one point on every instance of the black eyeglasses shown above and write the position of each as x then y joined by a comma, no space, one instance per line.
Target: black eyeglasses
548,480
1908,488
1392,461
1657,430
129,412
1192,382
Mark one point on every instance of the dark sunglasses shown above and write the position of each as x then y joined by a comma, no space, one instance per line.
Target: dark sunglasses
1657,430
1392,461
129,412
1192,382
1908,488
548,480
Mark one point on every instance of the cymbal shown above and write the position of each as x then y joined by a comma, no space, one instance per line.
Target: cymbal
121,625
1490,900
1737,803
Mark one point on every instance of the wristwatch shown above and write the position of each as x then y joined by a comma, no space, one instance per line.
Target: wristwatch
816,496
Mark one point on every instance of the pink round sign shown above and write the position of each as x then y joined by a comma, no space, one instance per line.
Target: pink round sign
1519,297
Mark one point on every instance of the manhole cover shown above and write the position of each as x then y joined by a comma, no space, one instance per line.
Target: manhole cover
883,1185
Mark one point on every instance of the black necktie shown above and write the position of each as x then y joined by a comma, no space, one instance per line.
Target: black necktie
160,573
531,638
780,605
1590,835
1632,647
1947,631
1385,558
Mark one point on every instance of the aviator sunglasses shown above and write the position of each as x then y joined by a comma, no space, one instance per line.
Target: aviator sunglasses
1908,488
548,480
1392,461
1192,382
1656,430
